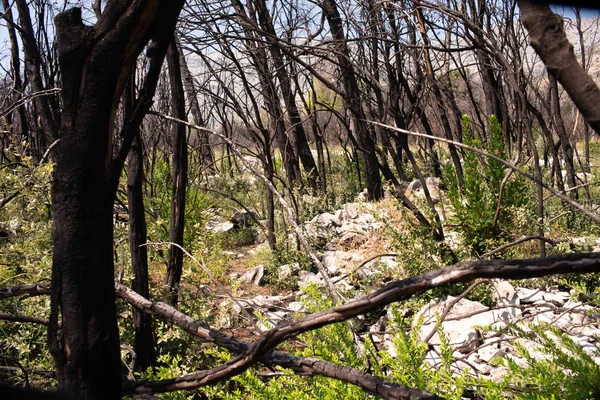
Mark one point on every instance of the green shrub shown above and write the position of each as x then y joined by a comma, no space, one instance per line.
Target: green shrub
567,373
475,203
25,257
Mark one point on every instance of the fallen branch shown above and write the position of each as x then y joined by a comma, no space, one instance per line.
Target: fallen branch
302,366
23,318
29,290
404,289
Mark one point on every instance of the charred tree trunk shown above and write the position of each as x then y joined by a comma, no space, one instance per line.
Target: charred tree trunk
180,170
548,38
260,61
565,143
490,83
191,92
584,64
413,95
85,342
18,118
142,322
269,173
33,61
283,76
352,100
437,103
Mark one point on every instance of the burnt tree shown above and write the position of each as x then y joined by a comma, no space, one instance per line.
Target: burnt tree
548,38
180,172
142,323
95,63
352,99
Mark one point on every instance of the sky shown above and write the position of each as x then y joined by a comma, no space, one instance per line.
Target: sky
565,11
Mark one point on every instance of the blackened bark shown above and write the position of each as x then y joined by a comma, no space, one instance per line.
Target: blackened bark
565,143
398,79
142,323
86,350
191,92
260,61
180,171
437,102
300,139
352,100
584,64
548,38
490,83
85,342
269,173
33,62
18,118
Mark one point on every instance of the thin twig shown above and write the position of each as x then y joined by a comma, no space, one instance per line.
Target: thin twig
292,220
561,196
450,305
203,266
519,241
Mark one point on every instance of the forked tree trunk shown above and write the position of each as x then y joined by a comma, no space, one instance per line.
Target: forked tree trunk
191,92
565,143
33,62
437,103
283,76
95,63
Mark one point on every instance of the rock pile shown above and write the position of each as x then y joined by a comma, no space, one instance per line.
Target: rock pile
465,324
463,321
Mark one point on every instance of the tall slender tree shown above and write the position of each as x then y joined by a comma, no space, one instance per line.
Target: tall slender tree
142,322
180,171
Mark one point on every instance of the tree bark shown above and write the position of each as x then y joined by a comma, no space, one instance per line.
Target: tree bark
142,323
283,76
565,143
548,38
352,100
95,63
33,62
189,85
180,171
18,119
584,64
437,102
260,61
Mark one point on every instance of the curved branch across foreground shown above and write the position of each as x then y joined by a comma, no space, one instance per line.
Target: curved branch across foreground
263,351
304,366
395,291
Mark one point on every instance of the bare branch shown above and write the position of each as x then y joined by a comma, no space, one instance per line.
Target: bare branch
556,193
303,366
24,318
29,290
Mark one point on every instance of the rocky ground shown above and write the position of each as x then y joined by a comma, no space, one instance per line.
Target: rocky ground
355,250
